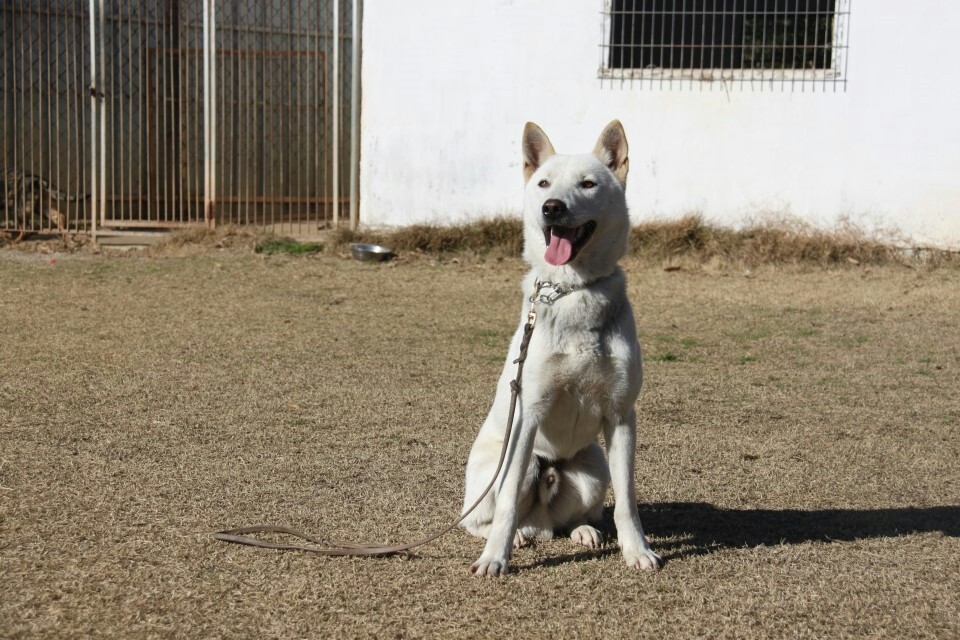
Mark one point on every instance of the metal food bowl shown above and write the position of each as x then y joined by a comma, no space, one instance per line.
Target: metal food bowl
370,252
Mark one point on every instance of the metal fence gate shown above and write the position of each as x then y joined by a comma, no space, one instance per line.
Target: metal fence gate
125,116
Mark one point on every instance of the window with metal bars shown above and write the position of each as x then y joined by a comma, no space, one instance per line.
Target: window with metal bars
720,39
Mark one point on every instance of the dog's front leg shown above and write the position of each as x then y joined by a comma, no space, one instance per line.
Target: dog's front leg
496,553
621,439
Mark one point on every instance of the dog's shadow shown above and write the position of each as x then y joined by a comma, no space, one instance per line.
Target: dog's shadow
696,528
685,529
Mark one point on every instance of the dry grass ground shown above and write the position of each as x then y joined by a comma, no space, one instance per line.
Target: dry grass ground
798,467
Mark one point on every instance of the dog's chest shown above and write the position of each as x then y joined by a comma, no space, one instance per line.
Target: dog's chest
585,386
581,361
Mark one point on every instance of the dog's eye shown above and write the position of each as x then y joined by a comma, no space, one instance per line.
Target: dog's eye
543,184
588,184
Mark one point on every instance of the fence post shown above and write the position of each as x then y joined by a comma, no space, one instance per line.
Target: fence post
209,113
102,97
336,113
93,122
355,119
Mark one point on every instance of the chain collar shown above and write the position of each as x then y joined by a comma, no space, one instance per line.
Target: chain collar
555,290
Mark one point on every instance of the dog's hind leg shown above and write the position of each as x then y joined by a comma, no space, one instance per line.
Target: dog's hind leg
583,484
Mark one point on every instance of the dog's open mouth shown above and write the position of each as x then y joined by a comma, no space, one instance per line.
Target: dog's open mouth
563,243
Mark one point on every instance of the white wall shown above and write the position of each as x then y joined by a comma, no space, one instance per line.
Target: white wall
448,86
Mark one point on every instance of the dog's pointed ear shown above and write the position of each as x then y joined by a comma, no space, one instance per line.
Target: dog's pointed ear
612,150
536,149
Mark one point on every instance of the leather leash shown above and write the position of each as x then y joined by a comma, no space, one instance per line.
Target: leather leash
332,548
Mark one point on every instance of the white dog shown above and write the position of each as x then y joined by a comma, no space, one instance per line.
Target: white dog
583,369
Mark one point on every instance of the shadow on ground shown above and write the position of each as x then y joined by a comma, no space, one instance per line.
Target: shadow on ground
687,529
695,528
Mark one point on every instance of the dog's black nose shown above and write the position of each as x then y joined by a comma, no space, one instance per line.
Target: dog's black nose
553,208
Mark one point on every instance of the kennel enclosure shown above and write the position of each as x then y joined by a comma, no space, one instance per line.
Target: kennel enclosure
164,114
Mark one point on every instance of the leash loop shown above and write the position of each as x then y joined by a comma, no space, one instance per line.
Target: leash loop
241,535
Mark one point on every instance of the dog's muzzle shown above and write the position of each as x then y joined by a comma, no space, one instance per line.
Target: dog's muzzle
563,241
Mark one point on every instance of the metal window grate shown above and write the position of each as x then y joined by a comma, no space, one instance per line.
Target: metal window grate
771,43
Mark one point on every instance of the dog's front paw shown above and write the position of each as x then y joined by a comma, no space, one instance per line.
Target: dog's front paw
587,536
490,567
643,560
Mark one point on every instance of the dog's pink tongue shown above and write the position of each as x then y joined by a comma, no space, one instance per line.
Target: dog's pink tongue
560,249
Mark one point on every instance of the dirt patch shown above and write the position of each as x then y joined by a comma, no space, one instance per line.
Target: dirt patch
797,466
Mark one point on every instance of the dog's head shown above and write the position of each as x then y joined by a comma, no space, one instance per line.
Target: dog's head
576,225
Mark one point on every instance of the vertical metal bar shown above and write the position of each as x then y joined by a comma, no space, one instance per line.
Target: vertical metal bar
683,40
336,113
163,161
181,153
827,45
147,124
763,49
94,194
61,109
742,18
169,146
210,213
713,40
43,108
703,42
626,75
260,90
846,39
836,40
783,62
723,42
641,41
126,172
188,127
793,47
206,109
50,49
296,94
63,36
111,72
103,121
209,50
603,42
30,102
663,45
236,207
355,120
243,115
248,129
753,46
80,65
17,86
320,97
816,41
9,84
803,51
162,166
